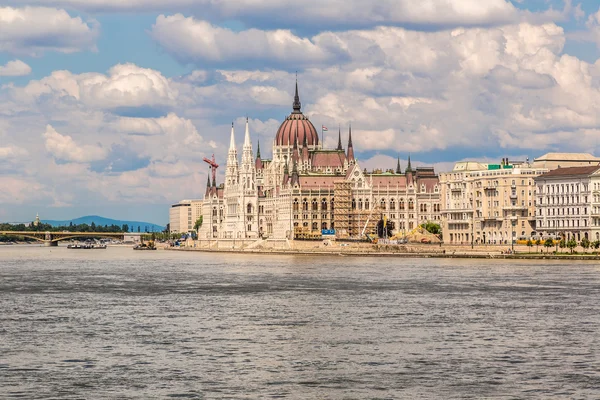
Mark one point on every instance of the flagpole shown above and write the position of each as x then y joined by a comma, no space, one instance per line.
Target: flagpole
322,138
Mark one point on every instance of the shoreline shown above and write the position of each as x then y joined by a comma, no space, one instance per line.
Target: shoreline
462,255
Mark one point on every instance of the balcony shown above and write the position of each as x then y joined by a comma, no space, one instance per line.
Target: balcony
513,196
456,189
490,187
515,207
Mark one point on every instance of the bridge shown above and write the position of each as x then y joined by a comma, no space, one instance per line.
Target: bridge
51,239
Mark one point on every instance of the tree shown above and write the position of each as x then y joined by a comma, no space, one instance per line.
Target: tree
562,244
585,244
537,244
548,243
198,223
596,244
432,227
529,244
571,244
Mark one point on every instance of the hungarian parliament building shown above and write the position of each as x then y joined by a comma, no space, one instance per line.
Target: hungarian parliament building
306,189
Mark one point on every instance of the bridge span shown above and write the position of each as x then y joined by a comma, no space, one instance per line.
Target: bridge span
51,239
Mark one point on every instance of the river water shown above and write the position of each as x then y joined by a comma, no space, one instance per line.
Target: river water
106,324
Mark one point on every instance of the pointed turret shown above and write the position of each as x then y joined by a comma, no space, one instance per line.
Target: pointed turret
232,139
297,106
286,172
295,180
408,166
247,156
339,147
295,151
304,149
231,173
258,164
398,169
350,155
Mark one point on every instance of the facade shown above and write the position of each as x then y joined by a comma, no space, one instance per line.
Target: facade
488,203
568,203
305,189
183,215
552,161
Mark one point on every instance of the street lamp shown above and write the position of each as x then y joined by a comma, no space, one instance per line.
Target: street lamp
512,236
472,229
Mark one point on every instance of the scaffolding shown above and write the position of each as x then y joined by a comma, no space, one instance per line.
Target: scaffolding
342,191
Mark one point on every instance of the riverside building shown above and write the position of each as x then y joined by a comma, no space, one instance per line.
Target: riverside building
488,203
306,190
568,203
183,215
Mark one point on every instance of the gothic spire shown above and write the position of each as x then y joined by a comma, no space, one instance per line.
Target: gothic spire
350,155
208,183
258,150
232,139
297,105
339,138
398,169
408,167
247,135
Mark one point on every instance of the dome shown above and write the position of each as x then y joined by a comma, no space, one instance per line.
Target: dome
296,123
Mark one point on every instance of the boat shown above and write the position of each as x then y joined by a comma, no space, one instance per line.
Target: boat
86,246
145,246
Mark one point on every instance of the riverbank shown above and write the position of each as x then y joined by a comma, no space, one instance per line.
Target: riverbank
337,249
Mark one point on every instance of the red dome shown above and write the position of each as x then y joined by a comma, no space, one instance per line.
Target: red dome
296,123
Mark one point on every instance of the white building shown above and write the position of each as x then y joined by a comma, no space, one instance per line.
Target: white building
568,203
488,203
305,189
183,215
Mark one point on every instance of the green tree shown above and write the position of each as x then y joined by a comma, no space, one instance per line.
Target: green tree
571,244
529,244
548,243
432,227
585,244
596,244
198,223
537,244
562,244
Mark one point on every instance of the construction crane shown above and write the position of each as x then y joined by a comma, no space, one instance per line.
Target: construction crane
213,166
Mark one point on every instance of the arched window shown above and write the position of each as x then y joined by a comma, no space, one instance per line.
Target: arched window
382,204
401,204
324,225
315,226
360,204
353,204
249,209
411,204
315,205
392,204
296,205
367,204
305,204
324,205
332,204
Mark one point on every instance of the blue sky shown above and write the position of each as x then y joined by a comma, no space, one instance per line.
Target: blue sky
109,106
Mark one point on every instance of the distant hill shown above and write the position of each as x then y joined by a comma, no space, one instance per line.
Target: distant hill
133,225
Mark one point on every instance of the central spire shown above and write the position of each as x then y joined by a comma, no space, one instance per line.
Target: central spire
297,105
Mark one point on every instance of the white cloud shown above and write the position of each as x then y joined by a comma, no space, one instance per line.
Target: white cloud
125,86
189,39
15,68
64,148
35,30
441,13
12,152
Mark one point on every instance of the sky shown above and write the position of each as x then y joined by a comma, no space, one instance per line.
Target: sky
108,107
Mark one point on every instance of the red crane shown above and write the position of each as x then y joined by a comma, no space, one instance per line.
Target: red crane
213,167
